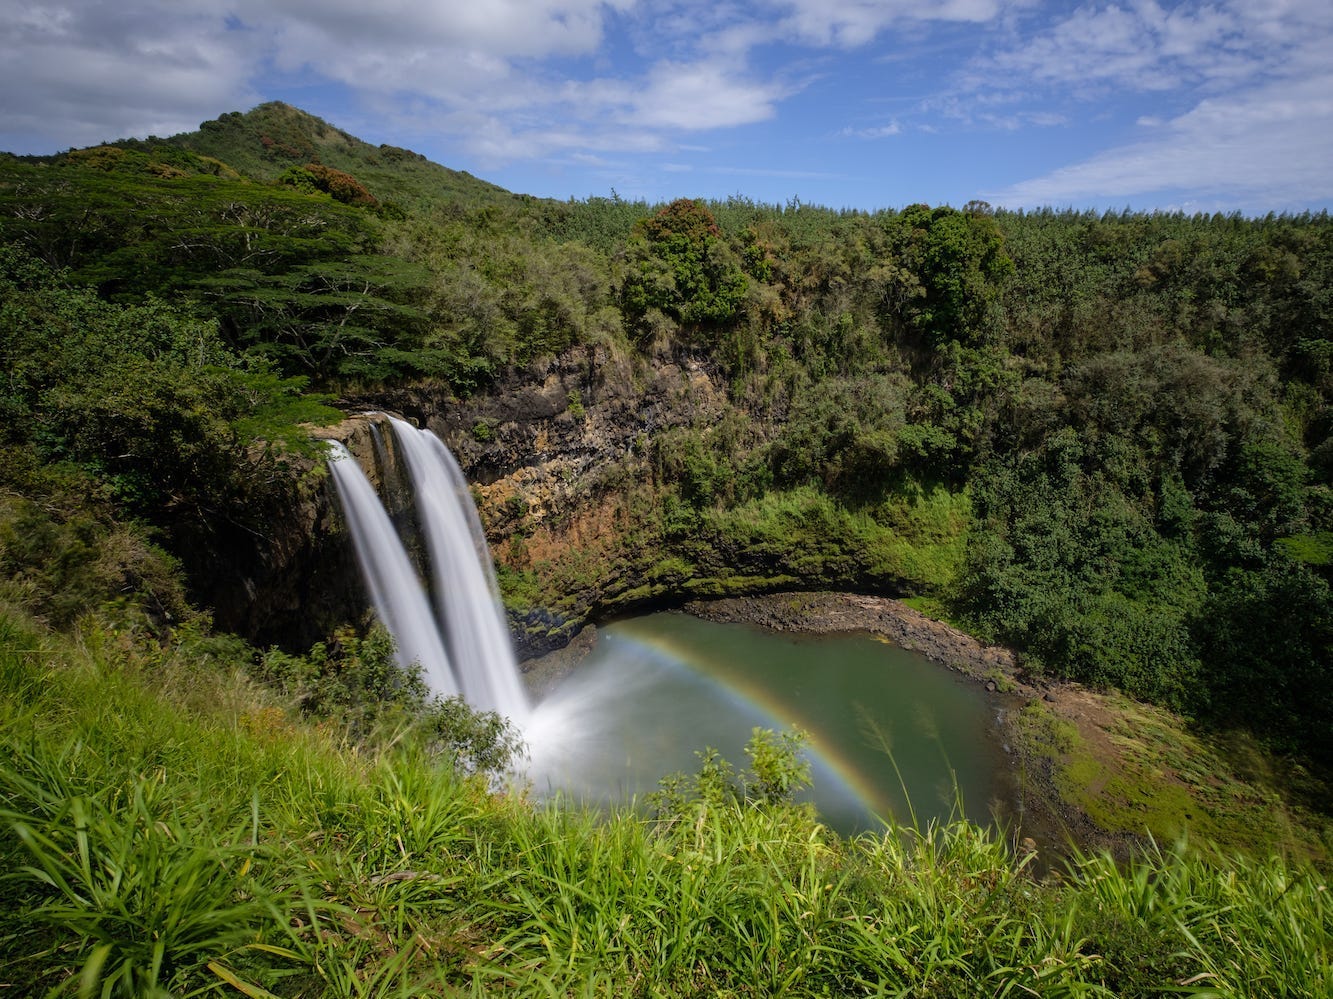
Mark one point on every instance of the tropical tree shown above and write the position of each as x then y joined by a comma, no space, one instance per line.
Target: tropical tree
679,263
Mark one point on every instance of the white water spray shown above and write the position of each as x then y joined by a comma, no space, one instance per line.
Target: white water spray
394,587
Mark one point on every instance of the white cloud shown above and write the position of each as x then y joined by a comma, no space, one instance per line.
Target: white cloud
639,115
1233,100
459,54
873,132
1268,149
496,139
1021,119
1139,46
498,28
80,72
703,95
850,23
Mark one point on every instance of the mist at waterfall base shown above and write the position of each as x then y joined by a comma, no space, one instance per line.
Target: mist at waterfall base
890,734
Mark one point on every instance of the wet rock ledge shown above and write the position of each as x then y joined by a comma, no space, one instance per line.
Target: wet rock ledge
826,613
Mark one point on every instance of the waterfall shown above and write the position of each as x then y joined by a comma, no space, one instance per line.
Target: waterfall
467,599
468,624
394,587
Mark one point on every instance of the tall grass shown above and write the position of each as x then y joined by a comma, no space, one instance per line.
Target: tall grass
141,894
166,830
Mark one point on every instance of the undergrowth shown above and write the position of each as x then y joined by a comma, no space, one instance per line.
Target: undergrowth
168,827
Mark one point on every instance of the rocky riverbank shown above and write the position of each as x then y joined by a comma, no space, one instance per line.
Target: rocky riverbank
827,613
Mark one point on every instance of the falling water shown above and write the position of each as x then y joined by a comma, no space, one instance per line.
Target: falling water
466,595
468,628
394,587
381,452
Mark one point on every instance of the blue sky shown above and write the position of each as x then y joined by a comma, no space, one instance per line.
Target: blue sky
1224,105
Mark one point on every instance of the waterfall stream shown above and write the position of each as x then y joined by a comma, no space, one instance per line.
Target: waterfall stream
467,599
394,587
463,644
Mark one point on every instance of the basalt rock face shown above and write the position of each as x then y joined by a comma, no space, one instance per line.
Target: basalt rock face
295,580
550,452
533,444
286,583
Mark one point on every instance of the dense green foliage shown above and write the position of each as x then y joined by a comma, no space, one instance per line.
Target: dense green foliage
1134,410
680,265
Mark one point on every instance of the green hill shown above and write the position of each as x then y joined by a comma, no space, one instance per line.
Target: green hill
269,140
1106,441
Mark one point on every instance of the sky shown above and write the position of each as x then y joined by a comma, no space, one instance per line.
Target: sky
1224,105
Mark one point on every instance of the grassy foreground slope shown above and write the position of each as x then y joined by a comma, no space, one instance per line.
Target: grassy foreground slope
167,828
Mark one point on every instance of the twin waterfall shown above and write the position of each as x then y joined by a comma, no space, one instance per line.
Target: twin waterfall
462,641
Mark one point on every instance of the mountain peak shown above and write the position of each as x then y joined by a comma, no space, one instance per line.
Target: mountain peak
272,137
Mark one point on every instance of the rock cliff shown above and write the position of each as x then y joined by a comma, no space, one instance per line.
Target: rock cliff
563,458
558,456
550,451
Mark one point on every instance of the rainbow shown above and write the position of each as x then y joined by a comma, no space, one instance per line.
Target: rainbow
828,762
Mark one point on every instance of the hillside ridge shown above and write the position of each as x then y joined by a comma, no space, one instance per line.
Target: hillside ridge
271,138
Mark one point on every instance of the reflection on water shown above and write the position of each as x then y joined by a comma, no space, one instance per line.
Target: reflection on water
657,690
